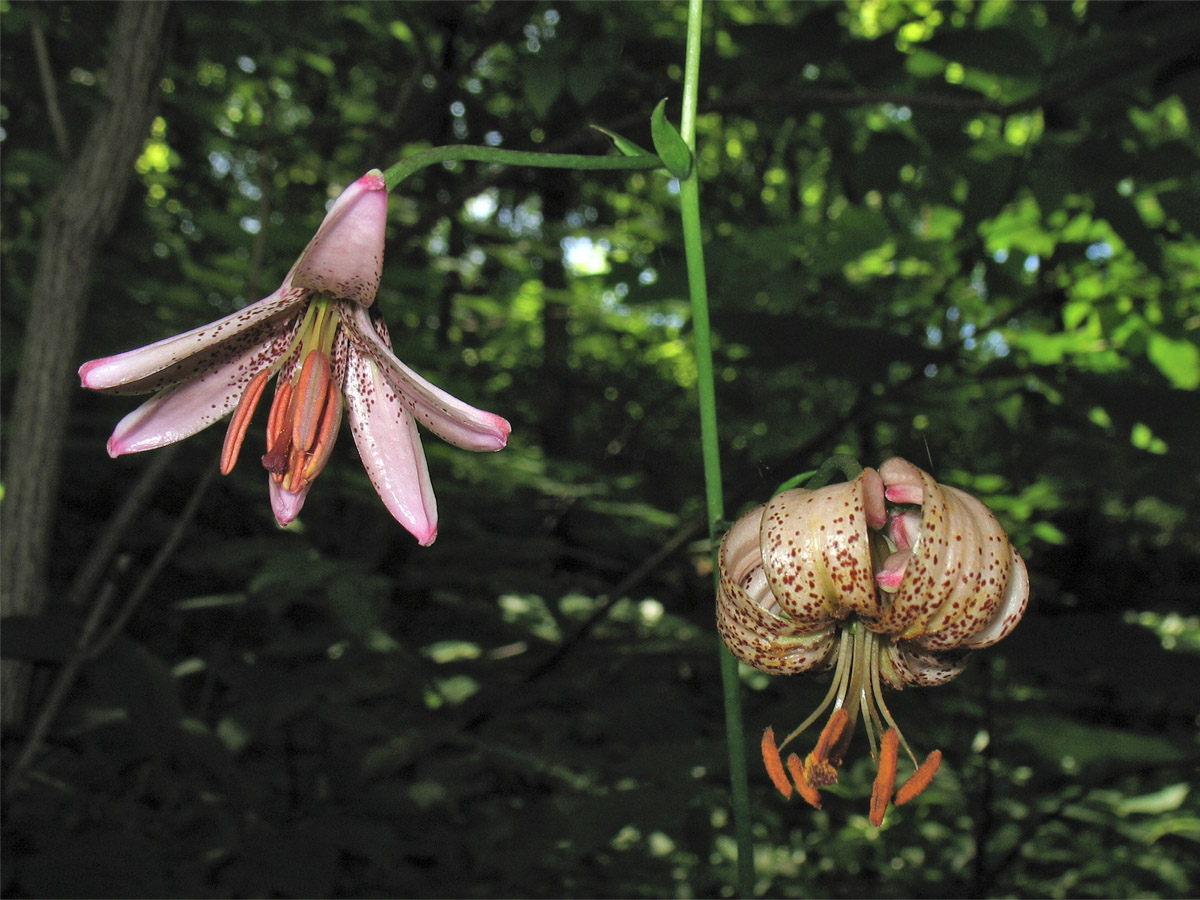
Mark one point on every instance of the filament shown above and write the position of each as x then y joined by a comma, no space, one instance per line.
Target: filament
883,709
836,687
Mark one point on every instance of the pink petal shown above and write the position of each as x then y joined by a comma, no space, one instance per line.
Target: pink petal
180,411
904,493
286,504
199,351
873,501
891,573
902,481
345,256
904,529
442,413
390,448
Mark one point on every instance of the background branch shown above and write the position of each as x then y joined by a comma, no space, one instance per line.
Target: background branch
82,214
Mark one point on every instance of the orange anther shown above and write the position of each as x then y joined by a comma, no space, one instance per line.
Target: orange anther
885,779
312,396
292,475
829,743
327,432
279,431
806,790
920,779
241,420
774,764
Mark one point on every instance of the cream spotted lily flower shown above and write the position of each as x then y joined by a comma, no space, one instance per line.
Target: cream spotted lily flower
890,579
317,337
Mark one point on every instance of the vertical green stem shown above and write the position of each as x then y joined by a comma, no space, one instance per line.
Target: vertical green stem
689,202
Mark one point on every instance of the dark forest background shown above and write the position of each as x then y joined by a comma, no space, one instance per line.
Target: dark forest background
962,232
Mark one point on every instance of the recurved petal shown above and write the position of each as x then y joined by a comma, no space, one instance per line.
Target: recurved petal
974,568
749,619
442,413
390,448
962,570
942,561
816,553
180,411
345,256
903,482
1009,610
769,643
902,664
201,351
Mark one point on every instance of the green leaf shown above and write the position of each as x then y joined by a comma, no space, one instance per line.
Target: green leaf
626,146
321,63
1049,533
584,82
1178,360
543,82
671,147
924,63
1058,737
1168,799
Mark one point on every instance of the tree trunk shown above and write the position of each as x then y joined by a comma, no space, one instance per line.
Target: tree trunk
79,218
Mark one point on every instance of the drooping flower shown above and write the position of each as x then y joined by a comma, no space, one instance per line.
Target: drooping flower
318,337
891,579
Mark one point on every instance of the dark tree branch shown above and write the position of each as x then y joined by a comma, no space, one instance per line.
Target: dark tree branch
49,89
80,217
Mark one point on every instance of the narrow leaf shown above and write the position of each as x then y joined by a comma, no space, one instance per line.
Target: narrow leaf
626,146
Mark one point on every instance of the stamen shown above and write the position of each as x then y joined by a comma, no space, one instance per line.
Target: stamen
920,779
312,395
279,432
810,794
863,643
820,766
877,688
292,480
871,724
240,421
327,433
770,755
836,687
831,735
885,779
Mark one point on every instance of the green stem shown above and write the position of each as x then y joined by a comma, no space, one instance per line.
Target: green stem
407,166
689,202
839,462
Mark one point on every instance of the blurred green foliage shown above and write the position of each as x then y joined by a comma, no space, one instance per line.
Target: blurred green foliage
966,233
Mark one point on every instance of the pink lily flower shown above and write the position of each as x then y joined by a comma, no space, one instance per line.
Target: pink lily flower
317,336
891,579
